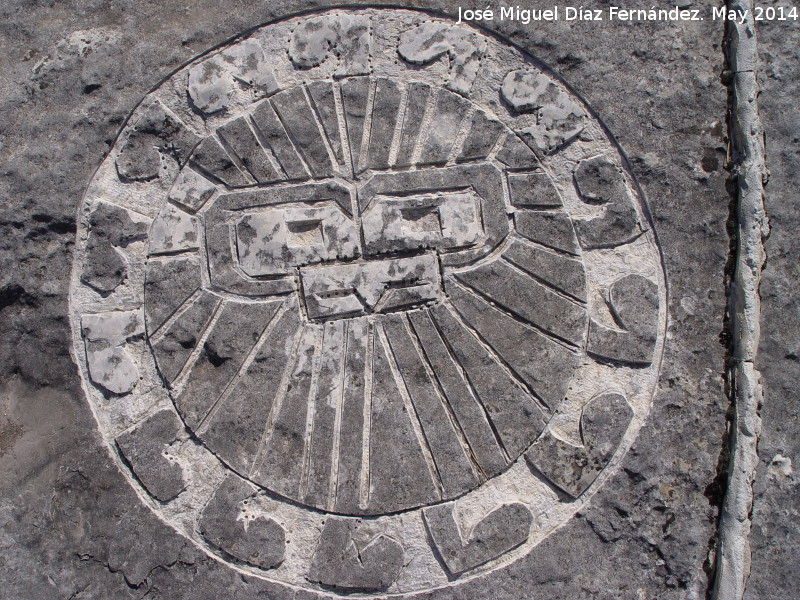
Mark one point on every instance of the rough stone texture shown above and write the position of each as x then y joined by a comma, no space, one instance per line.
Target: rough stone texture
574,468
773,538
144,450
62,498
498,532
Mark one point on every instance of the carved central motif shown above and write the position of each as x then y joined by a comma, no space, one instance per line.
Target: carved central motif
461,335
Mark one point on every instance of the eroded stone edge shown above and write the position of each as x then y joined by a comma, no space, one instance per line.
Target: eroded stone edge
749,173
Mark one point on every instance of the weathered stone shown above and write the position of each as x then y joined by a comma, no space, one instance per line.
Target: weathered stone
551,229
512,411
110,227
272,132
447,115
604,420
482,137
501,530
213,81
533,190
516,154
559,118
156,134
416,103
143,449
384,116
543,364
453,466
253,539
563,274
169,283
173,231
191,190
360,288
633,301
235,333
270,241
212,159
347,35
600,182
241,141
351,431
430,41
322,96
235,431
467,408
355,91
401,471
348,560
444,221
181,337
284,439
379,410
110,364
535,303
297,117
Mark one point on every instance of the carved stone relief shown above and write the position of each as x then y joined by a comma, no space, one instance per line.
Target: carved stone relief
373,315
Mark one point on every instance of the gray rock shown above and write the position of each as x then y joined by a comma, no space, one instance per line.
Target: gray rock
155,135
111,227
482,137
297,117
169,283
355,92
448,113
242,143
401,476
523,296
362,288
191,190
350,561
279,469
222,267
453,465
563,274
384,116
235,431
633,301
181,337
559,119
416,103
467,408
235,332
430,41
598,181
573,469
143,449
173,231
512,411
273,134
212,160
501,530
544,365
258,541
347,35
533,190
551,229
322,96
105,336
213,81
516,154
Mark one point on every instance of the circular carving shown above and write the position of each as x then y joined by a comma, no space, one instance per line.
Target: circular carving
395,272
